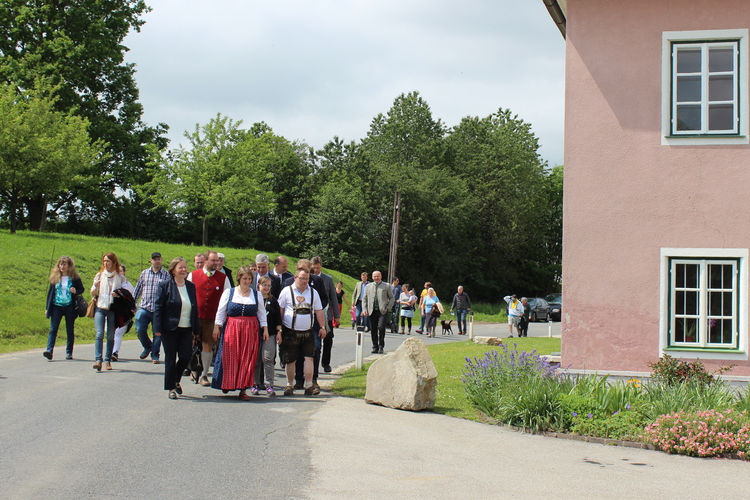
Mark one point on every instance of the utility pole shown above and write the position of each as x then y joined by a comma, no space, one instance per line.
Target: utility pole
394,237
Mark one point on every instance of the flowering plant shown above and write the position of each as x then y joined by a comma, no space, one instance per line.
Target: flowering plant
704,434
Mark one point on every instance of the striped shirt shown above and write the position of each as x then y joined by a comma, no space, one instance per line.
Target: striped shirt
146,287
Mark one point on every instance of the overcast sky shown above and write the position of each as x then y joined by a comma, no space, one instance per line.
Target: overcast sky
313,69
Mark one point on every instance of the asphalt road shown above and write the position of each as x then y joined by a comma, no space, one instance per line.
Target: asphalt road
70,432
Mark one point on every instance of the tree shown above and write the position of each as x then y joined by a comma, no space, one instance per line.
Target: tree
224,174
43,152
77,44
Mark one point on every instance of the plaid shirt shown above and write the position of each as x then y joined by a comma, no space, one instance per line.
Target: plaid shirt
146,287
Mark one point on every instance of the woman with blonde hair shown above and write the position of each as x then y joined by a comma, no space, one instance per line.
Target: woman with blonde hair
64,284
106,281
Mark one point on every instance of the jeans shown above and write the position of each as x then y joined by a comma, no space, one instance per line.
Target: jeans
461,320
101,317
56,316
394,318
142,319
362,320
264,366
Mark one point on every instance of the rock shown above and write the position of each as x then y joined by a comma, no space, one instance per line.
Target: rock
405,379
488,340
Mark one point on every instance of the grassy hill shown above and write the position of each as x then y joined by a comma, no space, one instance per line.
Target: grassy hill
27,257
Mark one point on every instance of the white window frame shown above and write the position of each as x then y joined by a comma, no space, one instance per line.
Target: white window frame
703,349
704,38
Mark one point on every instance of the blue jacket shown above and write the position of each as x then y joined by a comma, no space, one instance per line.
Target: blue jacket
168,305
76,283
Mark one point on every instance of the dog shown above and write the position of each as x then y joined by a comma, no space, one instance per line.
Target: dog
447,330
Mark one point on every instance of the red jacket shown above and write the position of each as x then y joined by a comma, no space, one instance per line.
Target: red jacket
208,292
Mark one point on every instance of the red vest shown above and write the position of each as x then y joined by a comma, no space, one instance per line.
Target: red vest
208,292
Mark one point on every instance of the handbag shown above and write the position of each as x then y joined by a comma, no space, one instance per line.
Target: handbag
80,305
91,308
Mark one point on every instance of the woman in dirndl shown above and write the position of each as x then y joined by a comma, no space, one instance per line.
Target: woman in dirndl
243,315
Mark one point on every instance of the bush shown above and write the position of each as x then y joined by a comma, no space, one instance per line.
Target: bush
671,371
704,434
625,424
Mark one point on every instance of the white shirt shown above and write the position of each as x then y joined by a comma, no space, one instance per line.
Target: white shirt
185,308
287,302
227,286
237,298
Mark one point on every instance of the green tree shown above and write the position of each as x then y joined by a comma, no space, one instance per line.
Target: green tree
224,174
43,152
77,44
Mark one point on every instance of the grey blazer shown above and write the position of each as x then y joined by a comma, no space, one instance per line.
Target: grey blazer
332,311
357,291
385,297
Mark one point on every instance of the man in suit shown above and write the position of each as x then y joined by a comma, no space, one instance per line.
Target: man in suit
280,266
357,296
225,269
263,263
376,304
331,311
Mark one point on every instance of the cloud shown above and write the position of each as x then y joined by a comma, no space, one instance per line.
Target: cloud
312,70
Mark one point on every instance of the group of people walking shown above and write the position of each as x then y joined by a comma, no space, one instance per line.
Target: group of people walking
201,318
400,301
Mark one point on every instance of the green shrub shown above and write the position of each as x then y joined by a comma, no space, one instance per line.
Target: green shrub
671,371
662,399
620,425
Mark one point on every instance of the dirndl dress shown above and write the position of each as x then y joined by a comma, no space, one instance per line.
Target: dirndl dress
238,347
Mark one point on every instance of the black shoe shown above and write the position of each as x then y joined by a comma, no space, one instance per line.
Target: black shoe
327,368
145,353
374,350
178,388
299,385
115,357
380,351
47,355
69,356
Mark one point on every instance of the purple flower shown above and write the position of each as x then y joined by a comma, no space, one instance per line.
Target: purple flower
590,415
575,414
627,407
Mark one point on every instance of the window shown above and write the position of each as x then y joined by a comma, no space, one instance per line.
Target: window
705,87
704,304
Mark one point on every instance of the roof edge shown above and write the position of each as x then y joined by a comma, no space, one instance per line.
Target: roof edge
556,9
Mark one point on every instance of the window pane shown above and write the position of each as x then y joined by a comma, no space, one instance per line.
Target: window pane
679,276
720,117
714,331
720,88
727,304
691,326
728,277
721,59
689,89
679,302
728,332
688,118
688,60
691,302
714,275
679,330
714,303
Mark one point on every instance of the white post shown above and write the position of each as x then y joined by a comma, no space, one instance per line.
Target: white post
549,327
358,351
471,325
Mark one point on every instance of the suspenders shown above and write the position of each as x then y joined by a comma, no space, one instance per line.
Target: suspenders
301,310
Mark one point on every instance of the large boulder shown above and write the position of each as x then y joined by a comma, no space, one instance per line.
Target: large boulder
405,379
488,340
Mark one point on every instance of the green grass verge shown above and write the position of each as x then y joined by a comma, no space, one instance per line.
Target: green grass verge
27,257
449,360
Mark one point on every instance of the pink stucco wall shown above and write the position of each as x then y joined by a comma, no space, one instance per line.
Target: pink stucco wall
626,195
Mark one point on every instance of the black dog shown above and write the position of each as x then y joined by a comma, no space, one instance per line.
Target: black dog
447,330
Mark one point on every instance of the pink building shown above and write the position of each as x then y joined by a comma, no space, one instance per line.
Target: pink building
657,183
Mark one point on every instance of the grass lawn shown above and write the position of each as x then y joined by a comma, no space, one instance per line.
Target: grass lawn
449,361
26,260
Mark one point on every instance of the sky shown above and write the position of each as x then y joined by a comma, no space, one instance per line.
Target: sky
315,69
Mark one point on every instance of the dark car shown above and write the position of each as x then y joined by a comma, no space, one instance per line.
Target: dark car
539,309
555,305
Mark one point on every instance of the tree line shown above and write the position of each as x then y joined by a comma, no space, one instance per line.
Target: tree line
479,206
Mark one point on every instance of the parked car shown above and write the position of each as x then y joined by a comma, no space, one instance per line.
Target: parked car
539,309
555,305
